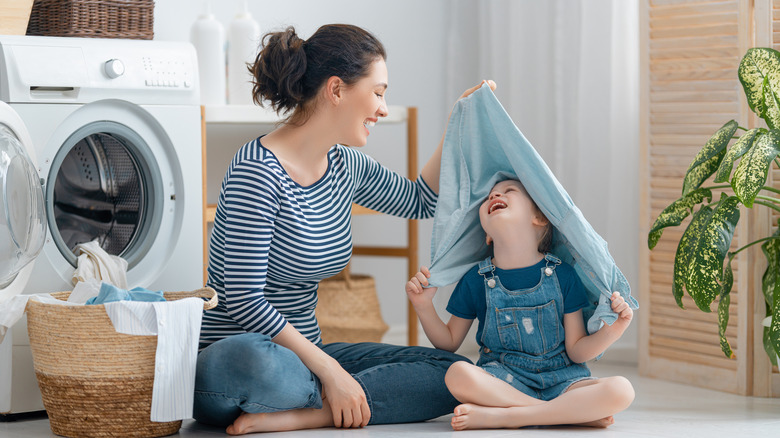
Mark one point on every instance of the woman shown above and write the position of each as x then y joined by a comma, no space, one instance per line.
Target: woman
283,224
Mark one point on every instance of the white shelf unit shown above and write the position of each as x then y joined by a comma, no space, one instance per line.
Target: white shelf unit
250,114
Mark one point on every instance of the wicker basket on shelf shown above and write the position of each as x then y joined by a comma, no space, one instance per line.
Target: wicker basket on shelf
96,382
348,309
133,19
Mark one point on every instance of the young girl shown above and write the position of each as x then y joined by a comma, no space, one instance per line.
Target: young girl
531,332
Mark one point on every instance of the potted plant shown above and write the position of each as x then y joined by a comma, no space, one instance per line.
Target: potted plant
700,265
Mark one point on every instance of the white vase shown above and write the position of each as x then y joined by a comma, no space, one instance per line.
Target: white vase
208,37
243,45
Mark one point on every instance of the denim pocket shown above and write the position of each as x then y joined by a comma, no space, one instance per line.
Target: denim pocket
531,330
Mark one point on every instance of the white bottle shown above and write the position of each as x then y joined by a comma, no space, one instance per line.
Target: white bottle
208,37
243,44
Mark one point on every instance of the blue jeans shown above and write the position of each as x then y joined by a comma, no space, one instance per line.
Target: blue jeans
250,373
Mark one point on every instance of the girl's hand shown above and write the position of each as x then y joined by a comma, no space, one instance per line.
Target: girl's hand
416,288
620,306
347,400
473,89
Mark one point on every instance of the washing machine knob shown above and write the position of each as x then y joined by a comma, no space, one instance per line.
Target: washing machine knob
114,68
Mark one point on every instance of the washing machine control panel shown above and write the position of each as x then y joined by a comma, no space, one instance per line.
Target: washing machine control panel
167,72
93,69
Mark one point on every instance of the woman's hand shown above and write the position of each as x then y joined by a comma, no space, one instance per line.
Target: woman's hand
473,89
346,398
416,290
340,390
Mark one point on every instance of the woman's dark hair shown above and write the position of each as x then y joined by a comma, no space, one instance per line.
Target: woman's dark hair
289,71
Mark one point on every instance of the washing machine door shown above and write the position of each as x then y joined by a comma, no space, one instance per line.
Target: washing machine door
22,212
103,186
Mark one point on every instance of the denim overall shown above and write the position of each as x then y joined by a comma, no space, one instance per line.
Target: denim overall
522,340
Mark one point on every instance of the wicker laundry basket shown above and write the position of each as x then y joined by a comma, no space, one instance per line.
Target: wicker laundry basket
133,19
348,309
96,382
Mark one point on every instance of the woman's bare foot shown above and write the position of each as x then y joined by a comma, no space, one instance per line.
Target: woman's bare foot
280,421
603,423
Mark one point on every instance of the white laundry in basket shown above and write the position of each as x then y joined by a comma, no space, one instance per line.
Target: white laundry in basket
177,326
94,263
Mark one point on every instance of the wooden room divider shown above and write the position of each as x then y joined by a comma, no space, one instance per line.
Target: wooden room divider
690,52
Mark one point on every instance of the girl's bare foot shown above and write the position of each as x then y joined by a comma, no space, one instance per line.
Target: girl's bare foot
280,421
470,416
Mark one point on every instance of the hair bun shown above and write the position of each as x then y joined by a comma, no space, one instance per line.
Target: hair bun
279,69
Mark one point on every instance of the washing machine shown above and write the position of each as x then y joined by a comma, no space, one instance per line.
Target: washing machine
99,139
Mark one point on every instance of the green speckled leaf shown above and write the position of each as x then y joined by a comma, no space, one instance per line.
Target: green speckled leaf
675,213
759,73
771,91
769,346
709,157
770,286
774,329
723,308
708,251
723,322
771,278
727,282
751,172
684,252
737,150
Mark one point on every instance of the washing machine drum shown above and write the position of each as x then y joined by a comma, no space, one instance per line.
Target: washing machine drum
22,213
100,192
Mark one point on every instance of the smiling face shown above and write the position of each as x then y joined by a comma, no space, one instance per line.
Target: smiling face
509,209
363,104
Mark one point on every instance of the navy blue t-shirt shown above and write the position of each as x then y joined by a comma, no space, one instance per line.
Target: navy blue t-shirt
468,299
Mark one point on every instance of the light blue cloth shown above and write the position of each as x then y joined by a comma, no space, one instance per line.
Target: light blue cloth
483,146
110,293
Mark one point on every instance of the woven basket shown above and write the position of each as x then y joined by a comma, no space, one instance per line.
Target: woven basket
348,309
133,19
96,382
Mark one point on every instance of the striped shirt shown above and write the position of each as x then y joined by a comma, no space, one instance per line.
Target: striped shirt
274,240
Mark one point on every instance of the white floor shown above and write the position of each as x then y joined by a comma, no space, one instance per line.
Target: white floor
661,409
